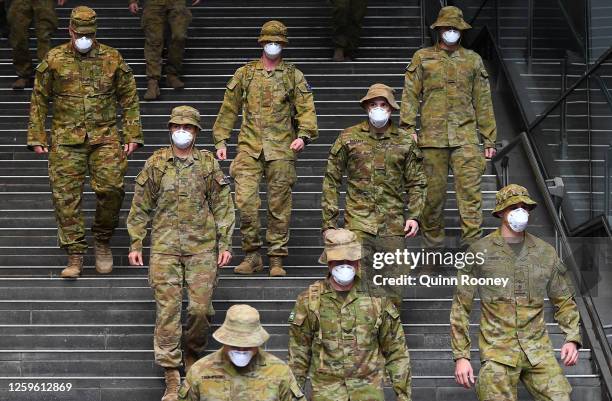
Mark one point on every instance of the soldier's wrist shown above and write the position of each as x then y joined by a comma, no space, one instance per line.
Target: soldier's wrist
306,139
220,145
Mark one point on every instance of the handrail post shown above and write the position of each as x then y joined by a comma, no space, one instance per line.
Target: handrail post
505,164
529,34
497,27
563,114
607,174
423,5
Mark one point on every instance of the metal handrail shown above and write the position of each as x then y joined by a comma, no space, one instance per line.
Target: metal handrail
482,5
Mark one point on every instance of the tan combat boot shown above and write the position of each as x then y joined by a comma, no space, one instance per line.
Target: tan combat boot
338,54
21,83
250,264
104,257
174,82
74,267
276,267
153,91
173,382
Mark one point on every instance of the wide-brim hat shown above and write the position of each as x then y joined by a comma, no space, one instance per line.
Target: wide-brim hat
273,31
83,20
451,16
511,195
380,90
340,244
185,115
241,328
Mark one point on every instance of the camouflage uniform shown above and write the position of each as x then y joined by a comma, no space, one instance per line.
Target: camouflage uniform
193,222
20,15
85,90
346,345
379,169
277,107
154,17
265,377
456,104
513,340
347,16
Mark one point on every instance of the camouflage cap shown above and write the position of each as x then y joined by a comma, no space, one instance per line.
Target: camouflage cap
273,31
83,20
380,90
241,328
451,16
185,115
340,244
511,195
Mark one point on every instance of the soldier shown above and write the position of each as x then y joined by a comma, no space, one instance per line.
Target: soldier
85,80
20,15
154,17
454,86
241,370
513,340
193,221
347,16
344,337
278,120
382,163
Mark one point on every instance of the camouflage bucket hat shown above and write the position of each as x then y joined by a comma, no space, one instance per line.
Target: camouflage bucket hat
241,328
380,90
451,16
340,244
83,20
273,31
185,115
511,195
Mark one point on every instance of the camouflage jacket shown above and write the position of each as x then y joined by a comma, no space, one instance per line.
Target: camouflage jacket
277,107
85,90
512,317
456,96
192,205
350,341
379,170
214,377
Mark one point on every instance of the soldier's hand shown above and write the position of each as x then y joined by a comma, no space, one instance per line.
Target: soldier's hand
129,148
224,258
39,150
134,8
135,258
464,374
490,152
569,353
196,2
414,137
411,228
61,2
297,145
222,153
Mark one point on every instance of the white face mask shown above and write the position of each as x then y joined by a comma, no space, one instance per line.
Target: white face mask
83,44
379,116
272,50
182,138
343,274
240,358
518,219
451,37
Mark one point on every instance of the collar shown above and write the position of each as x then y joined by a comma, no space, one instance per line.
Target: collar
391,130
352,295
170,154
94,52
446,53
258,361
280,66
498,240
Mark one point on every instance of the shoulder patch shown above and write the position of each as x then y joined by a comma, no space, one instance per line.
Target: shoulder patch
295,389
411,67
125,67
42,66
392,310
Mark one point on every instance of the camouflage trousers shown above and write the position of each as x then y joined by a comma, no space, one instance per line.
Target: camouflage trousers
168,275
68,165
545,381
332,388
21,13
347,16
468,165
280,177
371,244
154,17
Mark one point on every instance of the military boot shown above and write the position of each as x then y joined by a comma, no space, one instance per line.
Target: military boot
174,82
276,267
153,91
21,83
74,267
173,382
250,264
338,54
104,257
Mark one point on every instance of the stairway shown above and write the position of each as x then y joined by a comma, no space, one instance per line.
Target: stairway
96,333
